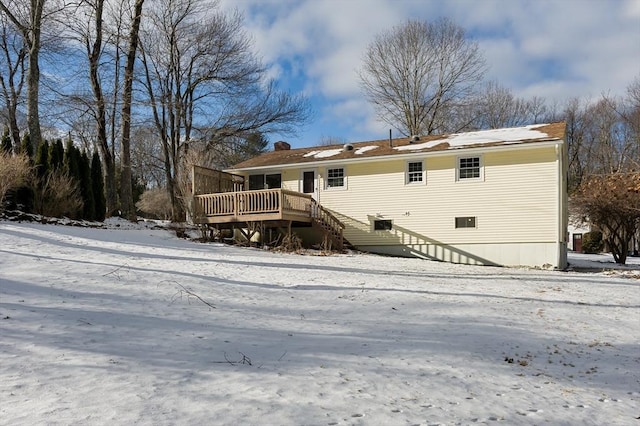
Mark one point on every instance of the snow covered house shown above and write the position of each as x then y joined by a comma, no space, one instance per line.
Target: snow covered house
495,197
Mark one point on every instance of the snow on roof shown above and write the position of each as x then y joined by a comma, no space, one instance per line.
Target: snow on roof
365,149
328,153
481,137
335,151
406,146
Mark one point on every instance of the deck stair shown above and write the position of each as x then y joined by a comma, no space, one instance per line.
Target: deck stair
256,210
330,227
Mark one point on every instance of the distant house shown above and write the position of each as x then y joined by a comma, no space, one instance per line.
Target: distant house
495,197
575,232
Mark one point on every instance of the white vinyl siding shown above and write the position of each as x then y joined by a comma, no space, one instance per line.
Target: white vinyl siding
516,201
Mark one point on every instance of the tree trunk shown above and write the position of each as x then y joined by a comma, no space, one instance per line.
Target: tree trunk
110,192
12,93
126,193
33,74
108,160
31,31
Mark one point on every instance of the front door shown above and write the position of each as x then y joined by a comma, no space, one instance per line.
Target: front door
309,183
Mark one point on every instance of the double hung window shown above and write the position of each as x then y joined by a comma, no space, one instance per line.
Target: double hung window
335,178
469,168
415,172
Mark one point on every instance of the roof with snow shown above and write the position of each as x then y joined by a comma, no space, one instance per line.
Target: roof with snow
536,133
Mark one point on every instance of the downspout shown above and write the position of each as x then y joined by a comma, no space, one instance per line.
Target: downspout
562,216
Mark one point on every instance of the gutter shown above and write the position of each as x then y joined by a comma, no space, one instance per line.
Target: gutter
421,154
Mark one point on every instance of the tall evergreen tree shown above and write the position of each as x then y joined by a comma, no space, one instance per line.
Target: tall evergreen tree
25,146
86,188
42,160
56,155
97,185
72,160
6,145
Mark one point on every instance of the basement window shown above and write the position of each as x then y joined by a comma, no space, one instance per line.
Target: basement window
382,225
466,222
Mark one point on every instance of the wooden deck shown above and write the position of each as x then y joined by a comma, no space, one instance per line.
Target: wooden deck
252,206
275,208
220,201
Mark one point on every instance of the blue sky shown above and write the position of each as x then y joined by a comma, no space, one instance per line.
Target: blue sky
554,49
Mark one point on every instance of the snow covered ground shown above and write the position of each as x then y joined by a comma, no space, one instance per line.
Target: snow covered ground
135,326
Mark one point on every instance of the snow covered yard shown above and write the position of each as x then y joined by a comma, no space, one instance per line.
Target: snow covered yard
112,326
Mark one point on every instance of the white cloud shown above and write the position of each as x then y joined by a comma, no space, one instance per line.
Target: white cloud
551,49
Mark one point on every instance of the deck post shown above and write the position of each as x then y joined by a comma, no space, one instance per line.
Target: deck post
193,179
236,200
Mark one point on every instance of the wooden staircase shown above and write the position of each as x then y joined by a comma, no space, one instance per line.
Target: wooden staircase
332,229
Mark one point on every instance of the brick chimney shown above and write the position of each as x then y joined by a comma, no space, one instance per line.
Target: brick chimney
281,146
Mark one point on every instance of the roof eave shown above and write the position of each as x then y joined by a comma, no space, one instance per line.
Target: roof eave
551,141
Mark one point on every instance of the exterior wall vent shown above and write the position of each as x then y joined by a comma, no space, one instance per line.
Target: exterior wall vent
281,146
347,147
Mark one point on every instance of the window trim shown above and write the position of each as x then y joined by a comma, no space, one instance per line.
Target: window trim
480,176
344,179
407,173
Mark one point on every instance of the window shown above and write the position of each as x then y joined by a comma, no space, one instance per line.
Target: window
256,182
469,168
335,178
415,172
382,225
265,181
466,222
273,181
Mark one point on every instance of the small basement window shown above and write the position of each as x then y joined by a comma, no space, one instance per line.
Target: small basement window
466,222
382,225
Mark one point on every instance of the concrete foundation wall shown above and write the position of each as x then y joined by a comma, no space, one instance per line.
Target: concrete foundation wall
544,255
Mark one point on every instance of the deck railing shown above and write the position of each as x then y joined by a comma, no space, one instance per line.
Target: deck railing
326,220
235,205
207,181
268,205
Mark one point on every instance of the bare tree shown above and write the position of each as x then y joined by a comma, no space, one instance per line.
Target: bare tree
574,116
13,62
331,140
611,202
126,193
27,19
107,32
418,73
91,112
204,82
629,111
146,157
497,107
